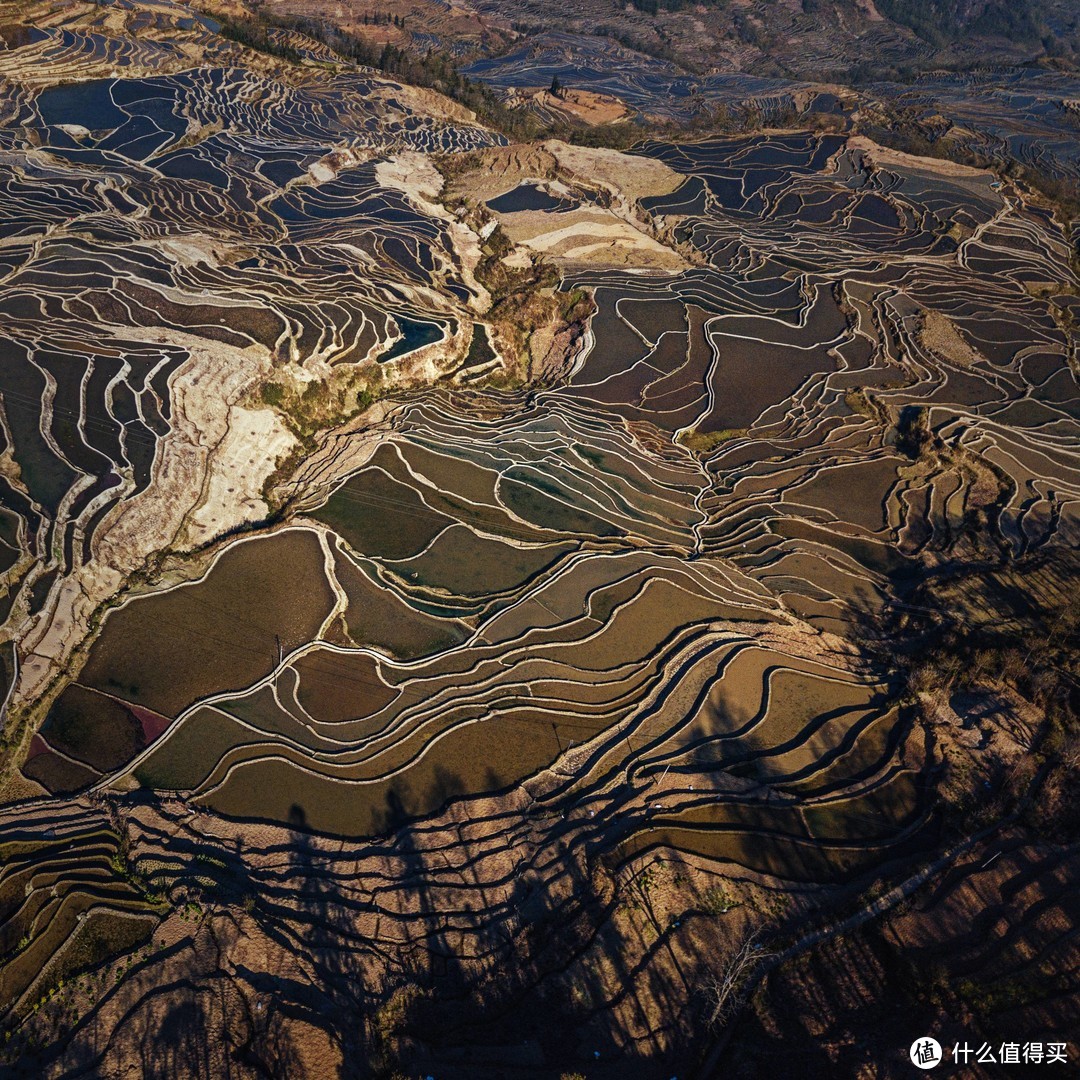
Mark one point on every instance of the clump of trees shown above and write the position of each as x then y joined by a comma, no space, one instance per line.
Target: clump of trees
256,34
384,18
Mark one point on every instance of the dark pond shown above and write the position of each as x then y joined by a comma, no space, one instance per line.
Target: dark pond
88,103
525,197
415,333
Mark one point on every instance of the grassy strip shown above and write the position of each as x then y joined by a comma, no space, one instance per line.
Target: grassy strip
702,442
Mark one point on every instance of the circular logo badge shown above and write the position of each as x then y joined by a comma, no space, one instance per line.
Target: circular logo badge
925,1052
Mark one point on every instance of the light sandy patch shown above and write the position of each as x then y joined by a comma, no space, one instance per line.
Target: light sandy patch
256,439
496,169
613,234
582,105
54,632
151,521
425,103
337,161
321,173
414,176
629,175
940,336
594,237
191,249
187,480
518,259
10,469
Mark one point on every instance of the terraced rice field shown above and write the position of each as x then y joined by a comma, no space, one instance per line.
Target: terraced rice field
1001,111
409,697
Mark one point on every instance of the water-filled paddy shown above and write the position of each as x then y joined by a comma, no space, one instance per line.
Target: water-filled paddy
376,515
526,197
376,617
516,574
461,562
221,633
467,761
336,686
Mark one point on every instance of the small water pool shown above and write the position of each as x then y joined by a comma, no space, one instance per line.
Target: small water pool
526,197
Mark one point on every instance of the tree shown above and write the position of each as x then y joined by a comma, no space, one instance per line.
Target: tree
556,86
726,990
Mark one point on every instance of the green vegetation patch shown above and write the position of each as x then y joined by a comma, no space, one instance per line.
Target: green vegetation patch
703,442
